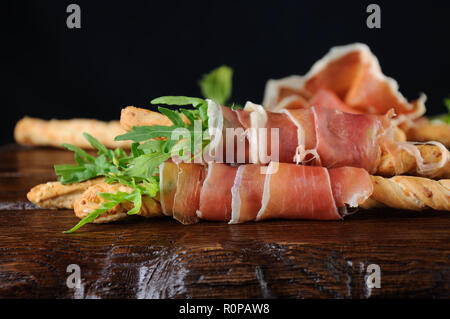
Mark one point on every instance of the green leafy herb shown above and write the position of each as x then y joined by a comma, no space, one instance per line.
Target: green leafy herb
179,101
107,163
189,127
115,166
139,169
217,85
444,118
112,200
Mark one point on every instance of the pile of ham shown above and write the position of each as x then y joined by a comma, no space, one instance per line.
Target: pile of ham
348,78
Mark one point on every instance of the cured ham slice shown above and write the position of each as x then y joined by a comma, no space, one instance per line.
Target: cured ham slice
227,129
329,99
318,136
187,196
336,139
351,187
348,139
215,197
298,192
168,177
246,193
354,75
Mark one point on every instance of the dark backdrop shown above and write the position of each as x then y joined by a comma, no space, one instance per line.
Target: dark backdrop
129,52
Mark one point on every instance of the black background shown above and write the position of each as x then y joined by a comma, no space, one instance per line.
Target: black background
128,52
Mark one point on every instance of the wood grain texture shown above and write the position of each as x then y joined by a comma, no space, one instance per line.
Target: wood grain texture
160,258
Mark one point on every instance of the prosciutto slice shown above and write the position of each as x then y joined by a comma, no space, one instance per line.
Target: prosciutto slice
247,193
168,177
329,99
187,196
345,139
298,192
254,192
354,75
331,138
317,135
350,186
227,129
215,197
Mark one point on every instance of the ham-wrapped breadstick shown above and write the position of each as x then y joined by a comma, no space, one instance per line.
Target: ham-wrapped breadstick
234,194
321,136
37,132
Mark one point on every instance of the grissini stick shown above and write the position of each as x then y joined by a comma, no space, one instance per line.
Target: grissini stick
54,195
90,201
424,130
410,193
405,163
37,132
134,116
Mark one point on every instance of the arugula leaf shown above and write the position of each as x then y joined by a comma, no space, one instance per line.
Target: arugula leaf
443,118
174,117
143,133
102,150
112,200
152,146
88,166
217,84
179,101
144,166
447,104
139,170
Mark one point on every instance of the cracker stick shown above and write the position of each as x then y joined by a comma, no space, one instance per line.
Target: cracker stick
90,201
424,130
410,193
134,116
37,132
55,195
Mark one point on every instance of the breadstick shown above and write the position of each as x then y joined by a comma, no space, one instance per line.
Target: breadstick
134,116
425,130
37,132
436,162
54,195
90,200
410,193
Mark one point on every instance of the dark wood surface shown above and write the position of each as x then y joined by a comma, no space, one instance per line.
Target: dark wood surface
160,258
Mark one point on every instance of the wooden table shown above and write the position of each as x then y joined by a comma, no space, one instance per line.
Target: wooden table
161,258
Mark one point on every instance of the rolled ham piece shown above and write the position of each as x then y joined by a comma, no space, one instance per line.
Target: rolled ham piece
236,194
318,136
313,136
